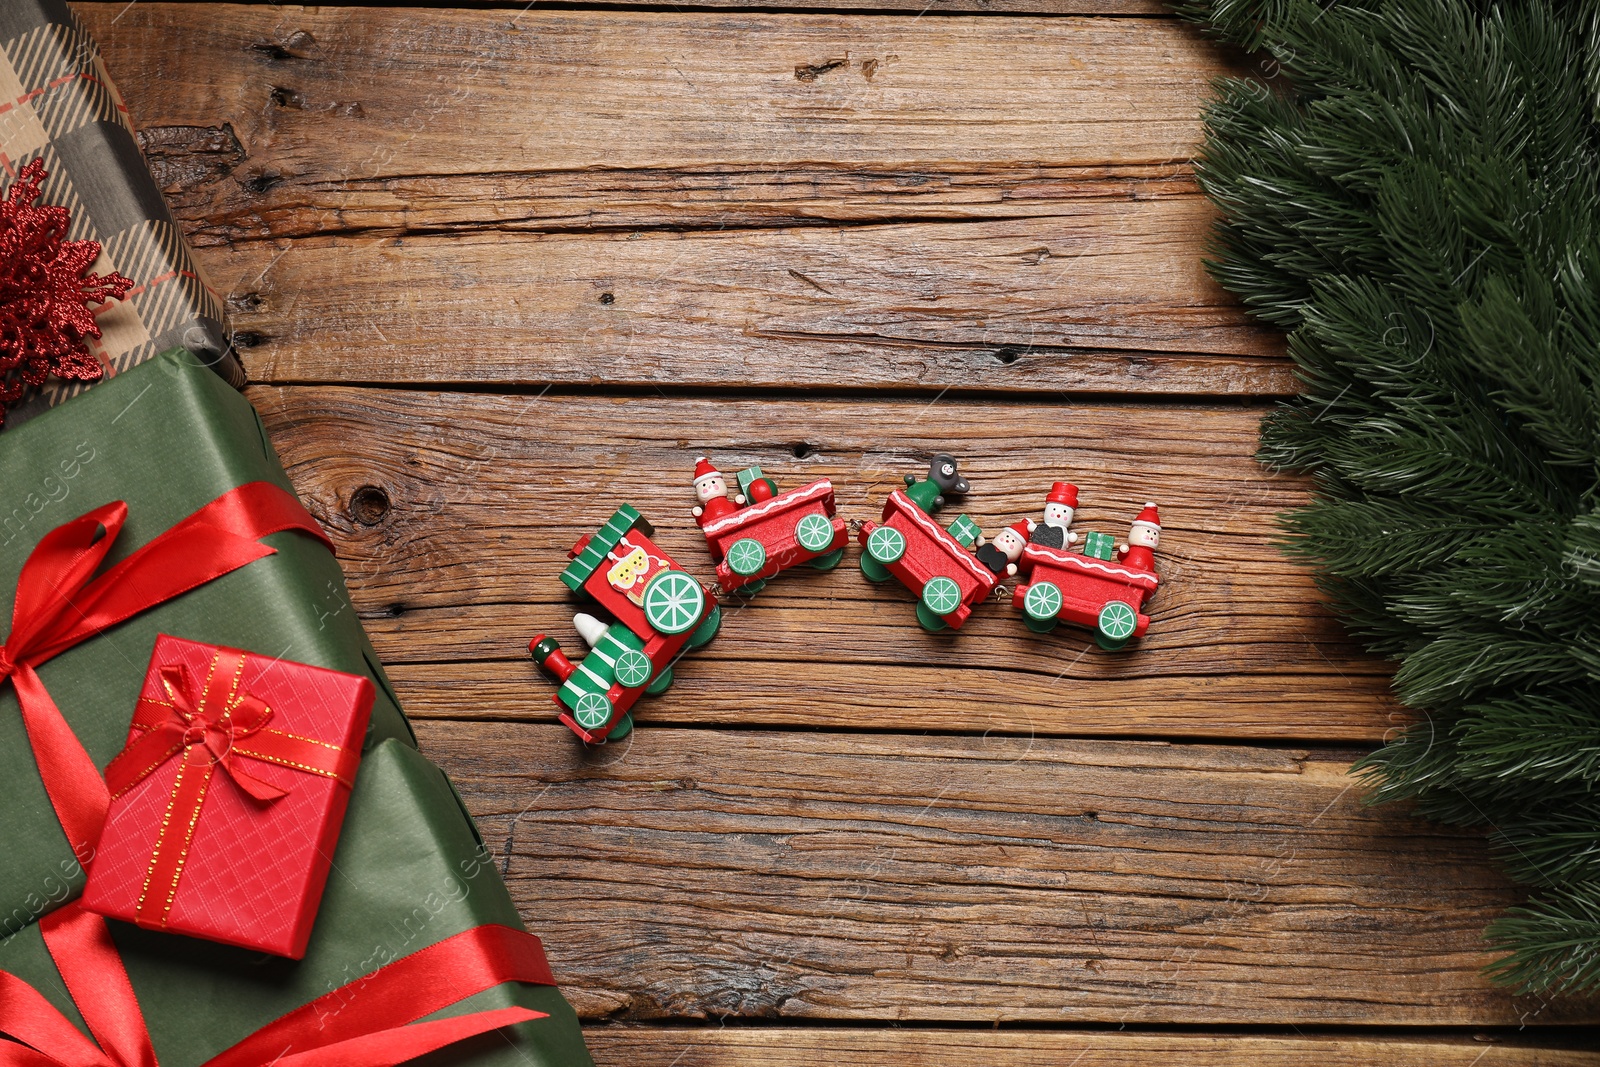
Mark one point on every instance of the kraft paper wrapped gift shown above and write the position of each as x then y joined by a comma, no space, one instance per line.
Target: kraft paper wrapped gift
168,437
410,872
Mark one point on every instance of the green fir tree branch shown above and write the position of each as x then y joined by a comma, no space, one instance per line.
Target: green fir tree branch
1414,195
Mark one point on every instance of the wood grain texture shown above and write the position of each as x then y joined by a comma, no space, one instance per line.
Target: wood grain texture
913,8
497,91
762,874
482,495
780,1046
1082,304
696,199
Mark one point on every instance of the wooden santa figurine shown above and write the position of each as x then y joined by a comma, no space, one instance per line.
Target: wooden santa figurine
1001,554
711,488
1058,508
1143,537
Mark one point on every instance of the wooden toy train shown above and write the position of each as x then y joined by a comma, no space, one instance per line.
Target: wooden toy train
1101,587
658,611
935,563
772,532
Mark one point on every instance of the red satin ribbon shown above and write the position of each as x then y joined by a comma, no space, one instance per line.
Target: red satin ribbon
60,603
371,1022
215,727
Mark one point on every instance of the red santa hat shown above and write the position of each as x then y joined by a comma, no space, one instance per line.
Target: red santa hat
703,470
1063,493
1021,527
1148,517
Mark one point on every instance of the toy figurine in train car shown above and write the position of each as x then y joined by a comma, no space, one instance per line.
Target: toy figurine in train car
1054,531
771,532
1001,554
935,563
1101,587
657,609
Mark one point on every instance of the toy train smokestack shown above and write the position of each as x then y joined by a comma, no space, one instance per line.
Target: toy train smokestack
547,654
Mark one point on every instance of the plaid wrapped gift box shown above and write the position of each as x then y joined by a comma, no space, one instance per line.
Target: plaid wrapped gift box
58,104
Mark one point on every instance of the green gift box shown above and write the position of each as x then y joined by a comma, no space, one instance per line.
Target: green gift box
409,872
964,530
167,437
1099,545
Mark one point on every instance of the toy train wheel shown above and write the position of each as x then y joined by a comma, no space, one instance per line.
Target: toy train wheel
746,556
873,570
930,622
661,682
828,562
1116,625
941,595
1042,602
885,545
592,710
632,668
673,602
814,532
706,630
623,728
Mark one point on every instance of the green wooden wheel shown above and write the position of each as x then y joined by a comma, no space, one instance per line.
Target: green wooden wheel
623,728
633,668
941,595
1042,601
1039,626
1117,621
874,571
592,710
829,561
673,602
707,629
814,532
886,544
661,683
930,622
746,556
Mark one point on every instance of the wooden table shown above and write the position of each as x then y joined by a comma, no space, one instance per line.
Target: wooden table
497,270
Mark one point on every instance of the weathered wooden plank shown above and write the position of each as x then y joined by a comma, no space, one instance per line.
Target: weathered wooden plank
1030,223
251,126
1083,303
454,515
505,91
915,8
651,1046
761,874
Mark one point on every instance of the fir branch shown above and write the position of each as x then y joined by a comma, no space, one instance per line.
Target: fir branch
1415,197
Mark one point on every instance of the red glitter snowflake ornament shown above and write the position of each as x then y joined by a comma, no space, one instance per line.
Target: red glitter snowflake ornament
44,293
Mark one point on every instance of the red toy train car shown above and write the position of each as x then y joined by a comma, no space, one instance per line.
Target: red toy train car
770,535
1098,593
658,612
934,563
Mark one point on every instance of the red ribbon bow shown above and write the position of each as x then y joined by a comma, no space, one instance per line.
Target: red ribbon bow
200,729
60,603
371,1022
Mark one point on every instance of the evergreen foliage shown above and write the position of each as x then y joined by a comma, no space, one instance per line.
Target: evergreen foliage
1413,192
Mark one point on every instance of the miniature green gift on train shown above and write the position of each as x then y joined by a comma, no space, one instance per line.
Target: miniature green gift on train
659,611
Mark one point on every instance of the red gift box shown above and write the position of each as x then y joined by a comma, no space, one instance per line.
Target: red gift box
227,801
